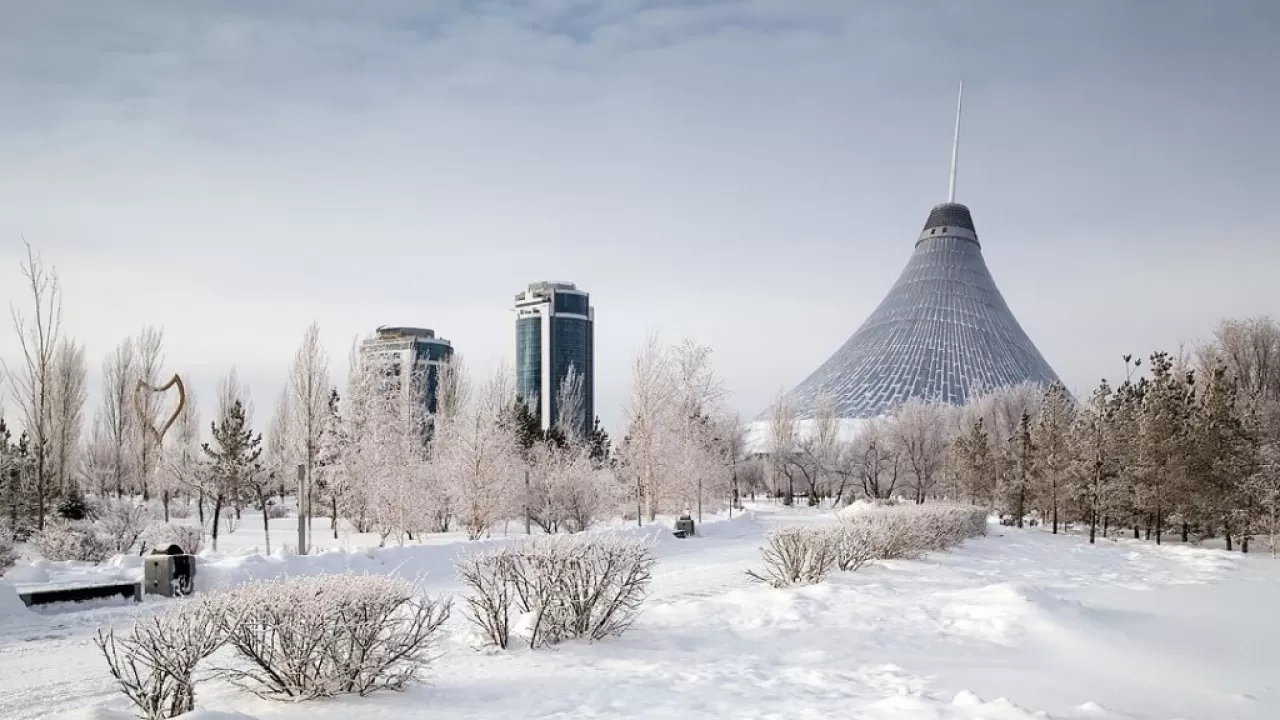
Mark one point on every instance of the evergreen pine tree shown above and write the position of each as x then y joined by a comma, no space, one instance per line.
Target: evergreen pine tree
235,459
598,442
1051,450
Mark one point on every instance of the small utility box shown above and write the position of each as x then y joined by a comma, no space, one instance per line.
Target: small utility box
170,572
684,527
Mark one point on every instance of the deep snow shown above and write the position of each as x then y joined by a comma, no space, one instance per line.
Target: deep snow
1009,626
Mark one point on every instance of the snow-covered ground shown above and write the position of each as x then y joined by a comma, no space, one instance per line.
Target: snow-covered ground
1020,624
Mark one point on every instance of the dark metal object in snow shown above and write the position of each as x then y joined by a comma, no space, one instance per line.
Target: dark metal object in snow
170,572
684,527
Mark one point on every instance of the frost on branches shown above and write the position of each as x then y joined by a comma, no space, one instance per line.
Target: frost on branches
558,588
154,663
475,455
313,637
806,555
675,453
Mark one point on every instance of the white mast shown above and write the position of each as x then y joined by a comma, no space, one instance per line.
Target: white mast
955,146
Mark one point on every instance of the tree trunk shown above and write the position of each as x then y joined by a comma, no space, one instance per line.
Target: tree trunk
266,521
165,500
217,515
40,488
334,523
1093,526
1137,535
1186,532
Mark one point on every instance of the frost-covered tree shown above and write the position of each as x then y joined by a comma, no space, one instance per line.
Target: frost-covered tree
69,395
309,384
783,438
971,461
1017,489
645,455
1051,451
144,449
33,380
117,415
919,432
475,453
1094,472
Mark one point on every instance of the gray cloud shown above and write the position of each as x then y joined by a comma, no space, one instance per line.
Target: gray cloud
751,174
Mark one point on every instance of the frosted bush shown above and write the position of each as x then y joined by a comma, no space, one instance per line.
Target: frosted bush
61,540
805,555
180,509
277,511
121,523
188,537
797,556
155,662
8,551
581,586
312,637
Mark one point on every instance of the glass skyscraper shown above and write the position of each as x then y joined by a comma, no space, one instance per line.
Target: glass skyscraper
554,332
406,352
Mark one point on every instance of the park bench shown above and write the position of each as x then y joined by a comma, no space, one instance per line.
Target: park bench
79,592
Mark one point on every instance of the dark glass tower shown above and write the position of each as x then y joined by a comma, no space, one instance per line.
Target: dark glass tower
555,329
943,331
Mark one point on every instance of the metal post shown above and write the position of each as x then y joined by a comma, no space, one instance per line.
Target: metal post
302,516
528,527
699,499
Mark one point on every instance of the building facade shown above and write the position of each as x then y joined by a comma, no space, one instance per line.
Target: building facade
409,352
555,331
941,333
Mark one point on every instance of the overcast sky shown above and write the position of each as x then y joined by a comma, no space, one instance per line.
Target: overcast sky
748,174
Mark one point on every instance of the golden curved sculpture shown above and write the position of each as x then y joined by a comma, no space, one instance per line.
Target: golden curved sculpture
158,434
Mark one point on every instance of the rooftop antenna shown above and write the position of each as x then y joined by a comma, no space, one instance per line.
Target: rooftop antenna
955,146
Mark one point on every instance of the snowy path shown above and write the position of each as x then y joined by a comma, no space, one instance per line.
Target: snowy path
1116,631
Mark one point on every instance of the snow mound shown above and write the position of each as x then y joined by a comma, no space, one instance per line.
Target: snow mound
101,713
11,606
1003,613
24,573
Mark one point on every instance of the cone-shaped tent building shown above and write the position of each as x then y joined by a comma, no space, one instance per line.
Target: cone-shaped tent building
943,331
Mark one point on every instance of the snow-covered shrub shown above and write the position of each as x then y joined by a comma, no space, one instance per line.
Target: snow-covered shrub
277,511
310,637
155,662
8,553
797,555
490,576
121,523
581,586
855,545
180,509
62,540
188,537
909,531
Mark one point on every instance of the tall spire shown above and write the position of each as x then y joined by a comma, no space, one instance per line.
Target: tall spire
955,146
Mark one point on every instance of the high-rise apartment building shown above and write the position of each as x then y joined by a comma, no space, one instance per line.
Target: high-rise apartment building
554,332
408,352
